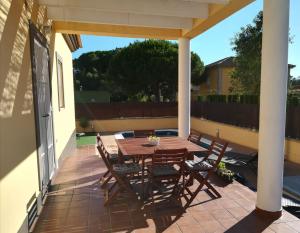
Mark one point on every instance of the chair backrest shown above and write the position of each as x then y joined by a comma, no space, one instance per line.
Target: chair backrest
104,155
143,133
100,142
98,139
169,157
194,137
218,148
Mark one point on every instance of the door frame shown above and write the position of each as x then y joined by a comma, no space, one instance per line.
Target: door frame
35,34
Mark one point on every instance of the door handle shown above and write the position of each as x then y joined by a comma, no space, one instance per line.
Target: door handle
46,115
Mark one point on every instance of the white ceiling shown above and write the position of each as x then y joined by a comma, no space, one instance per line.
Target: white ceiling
173,14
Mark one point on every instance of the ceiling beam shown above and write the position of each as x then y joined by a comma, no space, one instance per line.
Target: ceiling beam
116,30
217,13
176,8
102,17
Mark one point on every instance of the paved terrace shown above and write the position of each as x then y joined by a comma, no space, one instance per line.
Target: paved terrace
75,204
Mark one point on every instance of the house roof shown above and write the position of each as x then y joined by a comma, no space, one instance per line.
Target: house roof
73,41
225,62
229,62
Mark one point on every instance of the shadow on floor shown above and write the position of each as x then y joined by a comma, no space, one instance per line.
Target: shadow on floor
252,223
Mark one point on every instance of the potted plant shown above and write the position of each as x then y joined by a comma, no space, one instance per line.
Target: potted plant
225,173
84,122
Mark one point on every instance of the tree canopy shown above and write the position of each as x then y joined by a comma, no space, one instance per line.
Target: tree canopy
247,44
143,71
90,70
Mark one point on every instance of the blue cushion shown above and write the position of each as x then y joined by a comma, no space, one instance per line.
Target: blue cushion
198,166
200,154
163,170
127,168
204,145
114,158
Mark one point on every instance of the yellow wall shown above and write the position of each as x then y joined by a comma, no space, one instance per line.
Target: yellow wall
18,156
242,136
238,135
211,86
19,172
226,80
115,125
64,118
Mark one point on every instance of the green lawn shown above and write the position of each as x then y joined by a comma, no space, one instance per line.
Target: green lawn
87,139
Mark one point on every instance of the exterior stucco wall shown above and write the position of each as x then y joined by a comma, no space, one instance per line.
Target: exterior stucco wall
64,118
226,80
19,180
242,136
212,85
213,81
18,156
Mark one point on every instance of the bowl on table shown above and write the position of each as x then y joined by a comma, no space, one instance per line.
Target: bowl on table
153,140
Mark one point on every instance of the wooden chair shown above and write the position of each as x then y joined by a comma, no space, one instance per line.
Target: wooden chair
106,177
121,173
166,165
202,170
198,138
143,133
194,137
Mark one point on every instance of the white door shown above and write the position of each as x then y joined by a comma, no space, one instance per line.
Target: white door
43,109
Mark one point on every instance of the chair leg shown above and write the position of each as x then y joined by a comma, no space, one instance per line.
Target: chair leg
111,197
111,187
103,176
106,181
150,189
211,188
176,185
195,193
207,184
121,184
124,184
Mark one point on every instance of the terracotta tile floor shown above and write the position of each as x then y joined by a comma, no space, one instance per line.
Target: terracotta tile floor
75,204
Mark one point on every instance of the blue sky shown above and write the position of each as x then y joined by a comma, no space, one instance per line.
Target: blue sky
214,44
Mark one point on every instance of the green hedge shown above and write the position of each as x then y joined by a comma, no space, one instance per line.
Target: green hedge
292,99
216,98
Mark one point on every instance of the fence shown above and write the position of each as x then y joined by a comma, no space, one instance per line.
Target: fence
100,111
243,115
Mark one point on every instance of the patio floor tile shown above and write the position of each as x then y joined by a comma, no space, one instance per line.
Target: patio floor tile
75,204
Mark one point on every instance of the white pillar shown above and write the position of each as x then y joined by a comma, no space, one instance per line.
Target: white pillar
274,74
184,87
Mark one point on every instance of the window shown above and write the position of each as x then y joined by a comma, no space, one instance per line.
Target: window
60,82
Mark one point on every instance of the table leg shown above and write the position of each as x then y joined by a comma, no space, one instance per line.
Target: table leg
191,182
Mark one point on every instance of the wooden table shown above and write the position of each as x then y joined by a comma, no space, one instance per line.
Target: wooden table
140,148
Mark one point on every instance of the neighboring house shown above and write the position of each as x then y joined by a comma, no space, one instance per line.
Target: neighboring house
218,78
37,116
92,97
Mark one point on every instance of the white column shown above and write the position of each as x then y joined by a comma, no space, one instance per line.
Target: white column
184,87
274,74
